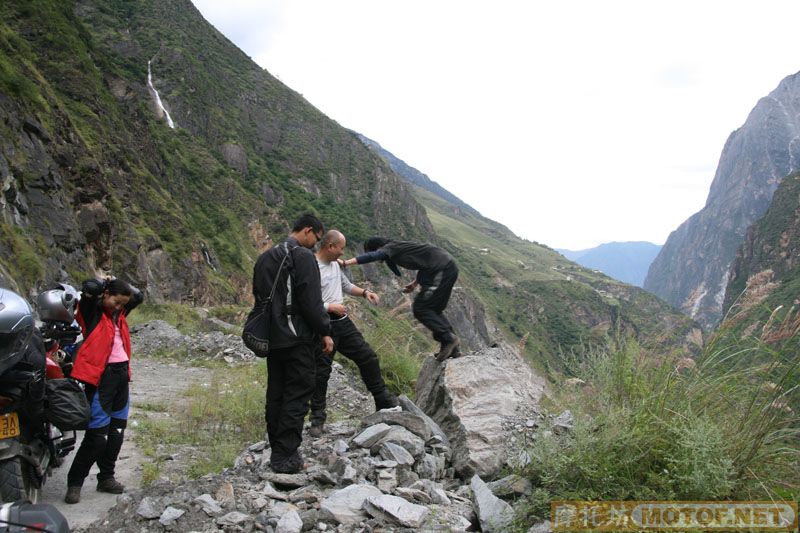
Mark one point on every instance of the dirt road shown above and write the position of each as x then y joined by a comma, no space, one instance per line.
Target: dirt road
154,382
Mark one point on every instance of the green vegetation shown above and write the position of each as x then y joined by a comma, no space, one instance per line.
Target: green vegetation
654,427
22,257
400,346
218,420
182,317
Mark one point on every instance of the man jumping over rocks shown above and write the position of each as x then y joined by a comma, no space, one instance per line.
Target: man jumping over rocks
346,337
436,274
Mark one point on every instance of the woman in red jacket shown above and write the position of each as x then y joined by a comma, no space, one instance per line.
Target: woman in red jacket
102,365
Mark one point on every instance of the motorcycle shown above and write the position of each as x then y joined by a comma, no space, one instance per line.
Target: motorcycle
31,362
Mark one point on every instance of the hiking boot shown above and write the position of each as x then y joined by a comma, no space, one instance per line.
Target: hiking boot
110,485
73,495
291,465
385,400
447,349
315,430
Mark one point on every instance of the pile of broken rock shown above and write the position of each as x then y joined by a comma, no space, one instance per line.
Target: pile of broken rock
394,472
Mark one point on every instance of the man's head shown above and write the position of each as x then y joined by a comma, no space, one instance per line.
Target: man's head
332,246
307,230
373,243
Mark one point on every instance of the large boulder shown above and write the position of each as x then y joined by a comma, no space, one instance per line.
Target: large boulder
473,399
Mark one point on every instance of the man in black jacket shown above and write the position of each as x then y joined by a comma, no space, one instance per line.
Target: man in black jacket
298,321
436,274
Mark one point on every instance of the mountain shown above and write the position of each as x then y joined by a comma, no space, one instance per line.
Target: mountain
625,261
97,179
537,295
765,273
691,271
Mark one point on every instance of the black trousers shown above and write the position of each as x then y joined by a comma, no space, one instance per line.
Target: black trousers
102,442
430,303
290,384
348,341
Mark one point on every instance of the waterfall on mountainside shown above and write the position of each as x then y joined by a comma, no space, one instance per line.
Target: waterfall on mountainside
157,97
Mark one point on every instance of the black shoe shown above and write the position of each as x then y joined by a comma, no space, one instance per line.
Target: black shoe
447,349
291,465
315,430
110,485
73,495
385,400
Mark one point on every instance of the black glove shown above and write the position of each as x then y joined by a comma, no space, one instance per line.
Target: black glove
93,288
136,297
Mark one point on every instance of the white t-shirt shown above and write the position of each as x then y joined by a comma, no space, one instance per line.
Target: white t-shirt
334,282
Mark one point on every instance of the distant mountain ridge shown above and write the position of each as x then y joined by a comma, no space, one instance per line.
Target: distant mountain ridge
625,261
691,271
414,176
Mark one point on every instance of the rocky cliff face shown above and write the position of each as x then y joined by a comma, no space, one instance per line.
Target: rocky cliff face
691,271
768,261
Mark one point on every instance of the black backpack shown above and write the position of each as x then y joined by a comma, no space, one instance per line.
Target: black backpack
256,328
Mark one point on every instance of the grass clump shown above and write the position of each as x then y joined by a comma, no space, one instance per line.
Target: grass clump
218,419
182,317
647,427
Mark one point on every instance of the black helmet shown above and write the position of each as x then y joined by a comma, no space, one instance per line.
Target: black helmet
16,328
58,304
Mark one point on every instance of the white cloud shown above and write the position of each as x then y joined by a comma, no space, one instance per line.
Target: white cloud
574,123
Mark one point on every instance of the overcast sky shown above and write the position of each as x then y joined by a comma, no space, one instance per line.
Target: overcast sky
573,123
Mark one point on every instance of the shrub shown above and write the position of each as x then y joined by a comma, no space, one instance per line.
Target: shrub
662,427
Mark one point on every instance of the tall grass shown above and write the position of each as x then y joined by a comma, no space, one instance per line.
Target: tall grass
398,345
647,426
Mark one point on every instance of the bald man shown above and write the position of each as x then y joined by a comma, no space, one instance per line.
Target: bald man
346,337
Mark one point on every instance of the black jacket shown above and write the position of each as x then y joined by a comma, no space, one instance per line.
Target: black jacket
306,320
426,259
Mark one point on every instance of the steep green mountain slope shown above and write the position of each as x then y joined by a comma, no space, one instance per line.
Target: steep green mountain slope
765,274
94,180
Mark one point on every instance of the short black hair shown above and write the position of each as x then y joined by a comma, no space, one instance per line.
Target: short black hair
308,220
373,243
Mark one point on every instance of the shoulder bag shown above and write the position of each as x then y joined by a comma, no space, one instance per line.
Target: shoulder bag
256,328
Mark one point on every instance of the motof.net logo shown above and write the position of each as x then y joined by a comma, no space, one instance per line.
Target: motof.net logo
673,516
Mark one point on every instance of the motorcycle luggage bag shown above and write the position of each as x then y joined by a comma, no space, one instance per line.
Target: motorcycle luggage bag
67,407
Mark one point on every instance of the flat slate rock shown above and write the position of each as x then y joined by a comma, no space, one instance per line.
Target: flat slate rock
292,481
397,510
346,505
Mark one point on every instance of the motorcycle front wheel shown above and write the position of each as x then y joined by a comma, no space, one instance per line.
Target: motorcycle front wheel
16,481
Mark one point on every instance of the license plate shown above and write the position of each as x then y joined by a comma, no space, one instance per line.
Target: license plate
9,426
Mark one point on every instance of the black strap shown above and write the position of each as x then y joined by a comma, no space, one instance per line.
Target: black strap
278,273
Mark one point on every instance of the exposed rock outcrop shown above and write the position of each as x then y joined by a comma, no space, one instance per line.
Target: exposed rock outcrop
472,397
